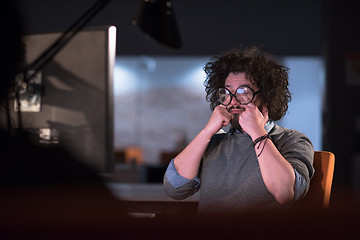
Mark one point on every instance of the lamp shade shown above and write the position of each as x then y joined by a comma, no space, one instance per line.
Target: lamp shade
156,18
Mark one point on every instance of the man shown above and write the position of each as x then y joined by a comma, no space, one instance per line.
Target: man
257,164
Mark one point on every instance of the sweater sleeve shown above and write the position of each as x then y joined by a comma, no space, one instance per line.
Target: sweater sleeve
300,186
178,187
297,149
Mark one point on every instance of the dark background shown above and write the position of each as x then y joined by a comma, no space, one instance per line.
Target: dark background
206,27
330,29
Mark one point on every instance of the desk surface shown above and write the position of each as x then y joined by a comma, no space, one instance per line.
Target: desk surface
151,199
144,192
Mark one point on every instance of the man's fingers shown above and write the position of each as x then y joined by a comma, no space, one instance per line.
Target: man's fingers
223,115
265,113
225,111
250,105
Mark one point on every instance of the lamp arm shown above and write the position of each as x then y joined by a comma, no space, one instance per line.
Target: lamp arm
53,49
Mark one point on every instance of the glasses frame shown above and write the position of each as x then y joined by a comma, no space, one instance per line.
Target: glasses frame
234,95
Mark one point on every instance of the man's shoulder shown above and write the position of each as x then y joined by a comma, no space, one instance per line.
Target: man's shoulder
282,131
283,134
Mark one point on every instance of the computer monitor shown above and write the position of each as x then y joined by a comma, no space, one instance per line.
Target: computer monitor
74,104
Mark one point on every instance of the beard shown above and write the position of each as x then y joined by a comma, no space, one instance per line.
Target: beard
235,118
235,122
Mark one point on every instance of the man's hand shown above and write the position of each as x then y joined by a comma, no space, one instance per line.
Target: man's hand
219,118
253,121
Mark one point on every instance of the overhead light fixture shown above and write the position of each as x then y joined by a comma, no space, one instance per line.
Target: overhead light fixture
157,19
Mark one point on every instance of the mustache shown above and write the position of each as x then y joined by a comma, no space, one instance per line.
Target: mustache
236,107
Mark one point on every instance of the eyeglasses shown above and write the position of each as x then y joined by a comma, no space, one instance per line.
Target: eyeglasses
243,94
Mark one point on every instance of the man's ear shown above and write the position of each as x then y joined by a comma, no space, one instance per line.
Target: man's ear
263,108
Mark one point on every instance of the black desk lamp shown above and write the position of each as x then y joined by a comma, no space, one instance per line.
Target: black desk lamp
154,17
25,85
53,49
157,19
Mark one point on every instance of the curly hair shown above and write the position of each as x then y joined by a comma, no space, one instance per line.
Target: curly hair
268,75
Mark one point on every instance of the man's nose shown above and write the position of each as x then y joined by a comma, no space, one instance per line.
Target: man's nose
234,101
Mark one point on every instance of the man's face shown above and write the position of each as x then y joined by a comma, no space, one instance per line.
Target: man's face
233,82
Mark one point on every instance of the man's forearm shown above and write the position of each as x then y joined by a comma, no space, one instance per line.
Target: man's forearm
188,161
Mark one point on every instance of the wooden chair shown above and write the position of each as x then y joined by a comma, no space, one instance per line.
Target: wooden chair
321,183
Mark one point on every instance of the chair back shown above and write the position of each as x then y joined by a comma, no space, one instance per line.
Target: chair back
321,183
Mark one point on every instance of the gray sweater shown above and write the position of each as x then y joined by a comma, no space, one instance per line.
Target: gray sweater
230,177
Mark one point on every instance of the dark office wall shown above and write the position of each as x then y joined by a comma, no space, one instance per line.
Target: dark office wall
342,108
207,27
